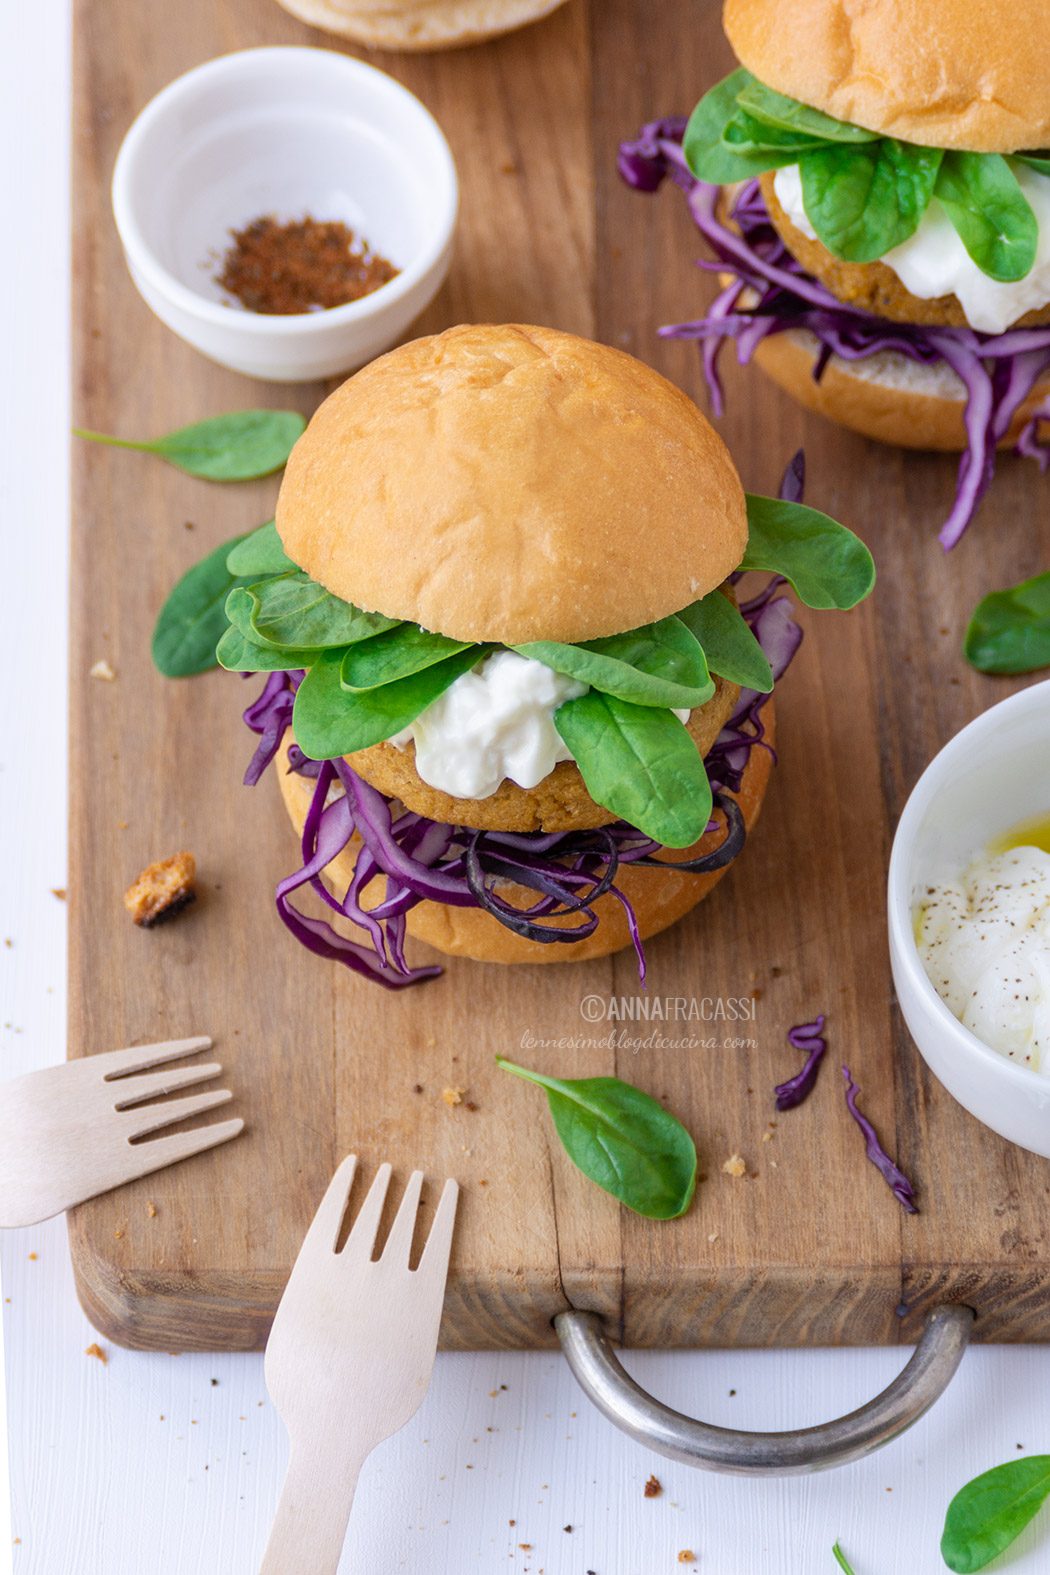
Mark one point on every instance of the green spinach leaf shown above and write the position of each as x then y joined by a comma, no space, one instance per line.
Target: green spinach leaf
990,212
622,1139
787,114
841,1560
641,763
745,135
294,612
396,654
660,664
260,554
729,645
1040,162
240,446
863,201
826,563
193,619
707,152
1010,629
329,720
988,1513
238,654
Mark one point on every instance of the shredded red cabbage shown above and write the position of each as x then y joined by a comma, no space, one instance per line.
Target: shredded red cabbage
893,1176
809,1038
422,860
771,293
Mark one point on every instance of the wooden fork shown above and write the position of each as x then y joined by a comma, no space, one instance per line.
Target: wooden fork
70,1132
349,1358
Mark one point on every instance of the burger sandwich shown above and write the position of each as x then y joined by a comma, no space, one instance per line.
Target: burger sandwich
874,181
516,695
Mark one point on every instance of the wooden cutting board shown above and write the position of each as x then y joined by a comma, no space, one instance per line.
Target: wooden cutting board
808,1246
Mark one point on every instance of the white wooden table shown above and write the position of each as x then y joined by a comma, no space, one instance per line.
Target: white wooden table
152,1465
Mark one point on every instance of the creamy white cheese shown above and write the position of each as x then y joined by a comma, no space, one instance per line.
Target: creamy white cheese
935,262
495,722
984,940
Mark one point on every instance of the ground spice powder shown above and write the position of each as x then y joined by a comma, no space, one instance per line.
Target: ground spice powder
300,265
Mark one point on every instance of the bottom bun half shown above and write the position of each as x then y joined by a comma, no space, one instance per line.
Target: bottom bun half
886,396
659,897
418,25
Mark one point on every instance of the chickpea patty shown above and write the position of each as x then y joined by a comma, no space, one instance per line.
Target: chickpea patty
872,286
559,803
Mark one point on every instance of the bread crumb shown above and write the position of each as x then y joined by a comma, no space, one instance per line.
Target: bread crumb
653,1488
151,1210
101,669
59,892
95,1350
767,1137
453,1096
713,1237
162,890
734,1166
118,1234
687,1556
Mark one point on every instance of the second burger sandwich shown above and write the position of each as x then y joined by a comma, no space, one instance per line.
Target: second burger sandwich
517,710
875,183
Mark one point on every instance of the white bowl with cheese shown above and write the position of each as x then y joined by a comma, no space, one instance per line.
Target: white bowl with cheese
993,777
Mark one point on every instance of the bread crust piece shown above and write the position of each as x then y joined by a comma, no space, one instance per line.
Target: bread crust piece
659,897
508,483
421,25
944,73
559,803
904,406
872,286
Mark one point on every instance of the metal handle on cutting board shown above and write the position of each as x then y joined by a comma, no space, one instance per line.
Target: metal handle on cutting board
923,1380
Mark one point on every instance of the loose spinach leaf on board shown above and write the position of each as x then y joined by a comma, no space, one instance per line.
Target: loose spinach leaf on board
1010,629
826,563
238,654
260,554
329,720
641,763
622,1139
240,446
991,214
1040,162
193,619
787,114
988,1513
660,664
841,1560
396,654
863,201
293,611
729,645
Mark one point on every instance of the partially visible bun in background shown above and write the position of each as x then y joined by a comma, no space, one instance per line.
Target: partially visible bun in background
885,396
970,74
659,897
419,24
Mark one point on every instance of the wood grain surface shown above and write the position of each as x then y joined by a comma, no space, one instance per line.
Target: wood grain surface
808,1246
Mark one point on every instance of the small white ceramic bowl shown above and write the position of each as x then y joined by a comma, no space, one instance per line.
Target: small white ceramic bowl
285,132
989,778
